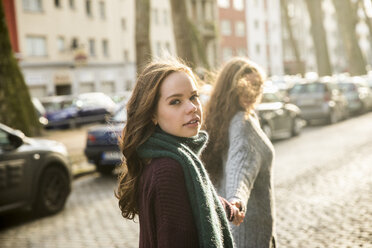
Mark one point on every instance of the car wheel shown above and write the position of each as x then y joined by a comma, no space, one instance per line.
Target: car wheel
72,123
332,117
104,169
267,130
296,126
53,191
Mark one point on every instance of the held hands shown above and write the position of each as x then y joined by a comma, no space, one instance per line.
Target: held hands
239,212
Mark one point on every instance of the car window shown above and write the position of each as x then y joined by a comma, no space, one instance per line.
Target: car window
58,105
307,88
3,138
270,97
120,116
347,86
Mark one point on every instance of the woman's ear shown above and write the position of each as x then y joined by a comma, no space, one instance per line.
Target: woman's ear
154,120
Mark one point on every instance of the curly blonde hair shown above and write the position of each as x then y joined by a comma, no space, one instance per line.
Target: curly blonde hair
238,88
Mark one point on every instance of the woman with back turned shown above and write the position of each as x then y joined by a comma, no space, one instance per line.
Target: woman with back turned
239,156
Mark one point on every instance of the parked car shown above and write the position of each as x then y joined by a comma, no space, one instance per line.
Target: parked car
102,146
34,173
278,117
320,99
60,111
358,94
67,111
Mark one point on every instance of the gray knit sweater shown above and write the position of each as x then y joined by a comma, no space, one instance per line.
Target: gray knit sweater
248,177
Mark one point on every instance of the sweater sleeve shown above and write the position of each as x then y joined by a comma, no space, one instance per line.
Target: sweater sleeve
173,215
243,162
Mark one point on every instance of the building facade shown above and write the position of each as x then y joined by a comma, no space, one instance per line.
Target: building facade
67,47
252,28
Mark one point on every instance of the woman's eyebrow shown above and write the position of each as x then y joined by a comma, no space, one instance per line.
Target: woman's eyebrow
174,95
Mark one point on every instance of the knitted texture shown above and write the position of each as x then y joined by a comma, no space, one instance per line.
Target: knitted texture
248,177
208,212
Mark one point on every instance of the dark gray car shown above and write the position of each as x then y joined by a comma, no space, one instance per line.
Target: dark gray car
34,173
320,99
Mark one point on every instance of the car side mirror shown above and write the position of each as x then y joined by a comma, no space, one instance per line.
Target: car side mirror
15,141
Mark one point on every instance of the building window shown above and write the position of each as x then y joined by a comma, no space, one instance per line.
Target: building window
226,27
256,24
105,48
92,47
258,48
155,16
88,7
72,4
226,53
158,48
167,46
102,10
123,24
32,5
74,43
241,52
239,5
57,3
224,3
165,15
61,44
36,46
240,29
126,56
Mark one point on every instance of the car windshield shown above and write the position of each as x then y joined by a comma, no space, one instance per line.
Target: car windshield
120,116
57,105
270,97
347,86
307,88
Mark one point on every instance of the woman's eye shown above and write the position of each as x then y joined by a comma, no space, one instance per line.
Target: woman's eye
174,102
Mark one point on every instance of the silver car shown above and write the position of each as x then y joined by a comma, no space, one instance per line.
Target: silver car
319,99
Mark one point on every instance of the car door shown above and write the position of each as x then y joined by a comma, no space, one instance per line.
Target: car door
282,114
15,174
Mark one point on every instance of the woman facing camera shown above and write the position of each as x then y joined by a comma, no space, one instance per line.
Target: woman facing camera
163,180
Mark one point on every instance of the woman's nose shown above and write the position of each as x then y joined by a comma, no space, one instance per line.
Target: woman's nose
191,107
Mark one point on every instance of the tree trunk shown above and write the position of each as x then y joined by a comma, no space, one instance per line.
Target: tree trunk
143,44
16,108
346,20
319,37
287,20
182,28
368,21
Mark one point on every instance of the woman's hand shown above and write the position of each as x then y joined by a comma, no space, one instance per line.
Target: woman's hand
239,214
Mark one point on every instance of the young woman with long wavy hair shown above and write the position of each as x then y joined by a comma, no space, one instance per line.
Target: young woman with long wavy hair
163,181
239,156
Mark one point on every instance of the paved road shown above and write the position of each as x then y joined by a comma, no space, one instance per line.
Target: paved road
323,191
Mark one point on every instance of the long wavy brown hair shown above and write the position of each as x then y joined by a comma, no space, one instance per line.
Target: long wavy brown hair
238,79
141,108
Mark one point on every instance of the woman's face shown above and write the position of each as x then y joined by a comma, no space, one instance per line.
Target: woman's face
179,110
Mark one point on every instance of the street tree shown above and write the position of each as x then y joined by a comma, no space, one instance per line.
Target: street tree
368,20
346,19
293,43
319,37
16,108
142,30
182,28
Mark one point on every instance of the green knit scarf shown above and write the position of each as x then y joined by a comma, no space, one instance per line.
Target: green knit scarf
209,216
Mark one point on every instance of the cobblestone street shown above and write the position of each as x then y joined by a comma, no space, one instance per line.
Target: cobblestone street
323,188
